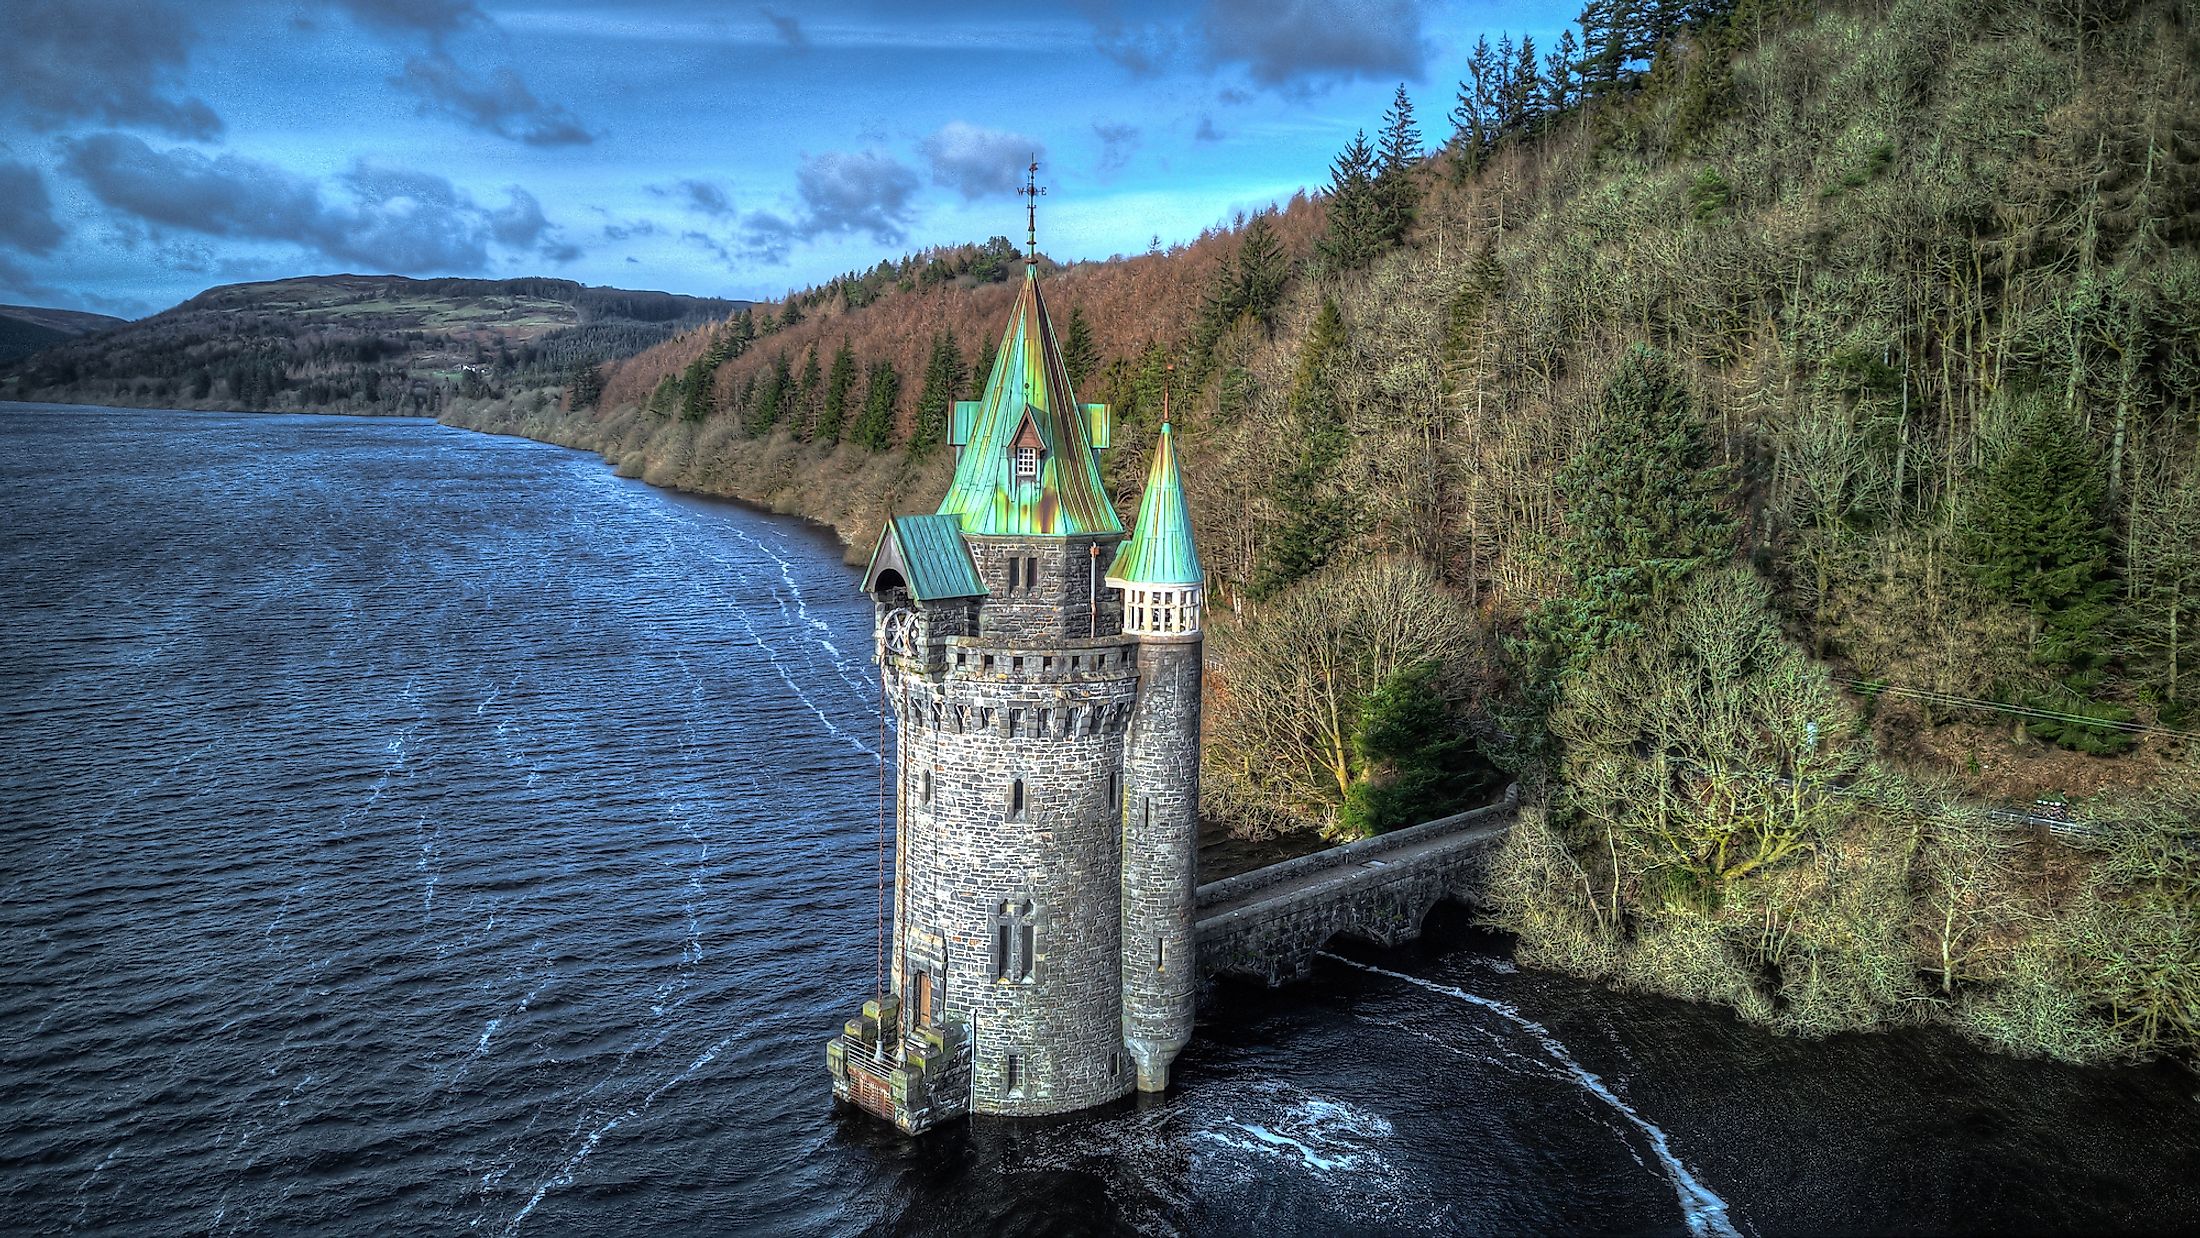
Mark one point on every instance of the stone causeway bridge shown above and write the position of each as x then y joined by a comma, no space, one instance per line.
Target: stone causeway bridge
1271,922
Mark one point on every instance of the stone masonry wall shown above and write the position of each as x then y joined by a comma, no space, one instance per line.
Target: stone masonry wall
976,714
1059,604
1160,850
1271,923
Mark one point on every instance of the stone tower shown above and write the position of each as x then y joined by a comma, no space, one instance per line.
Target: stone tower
1047,746
1162,587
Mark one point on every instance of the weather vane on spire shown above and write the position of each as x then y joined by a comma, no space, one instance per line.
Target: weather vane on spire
1032,191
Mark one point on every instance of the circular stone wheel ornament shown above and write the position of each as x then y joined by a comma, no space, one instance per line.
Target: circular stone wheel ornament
900,632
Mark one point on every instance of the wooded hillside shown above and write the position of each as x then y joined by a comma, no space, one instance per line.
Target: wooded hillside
357,344
1771,431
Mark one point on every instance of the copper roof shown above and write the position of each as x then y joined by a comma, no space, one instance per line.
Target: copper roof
1029,390
1159,550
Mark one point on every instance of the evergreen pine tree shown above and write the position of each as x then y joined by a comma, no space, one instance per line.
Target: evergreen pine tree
839,385
1080,355
1262,271
1559,67
1355,215
1641,513
2039,537
1474,131
1398,150
1314,521
943,377
981,372
809,392
1526,88
875,428
774,390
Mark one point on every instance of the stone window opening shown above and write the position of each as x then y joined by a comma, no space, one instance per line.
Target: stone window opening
1012,1075
1015,941
1015,727
1160,954
1016,800
1031,571
926,793
1115,789
1014,564
1115,1066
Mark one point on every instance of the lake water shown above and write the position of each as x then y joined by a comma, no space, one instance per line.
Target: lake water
407,831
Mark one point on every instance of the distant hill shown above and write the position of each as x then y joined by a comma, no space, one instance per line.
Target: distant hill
24,329
347,343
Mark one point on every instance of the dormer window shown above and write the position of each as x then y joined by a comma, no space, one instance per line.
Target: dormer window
1027,464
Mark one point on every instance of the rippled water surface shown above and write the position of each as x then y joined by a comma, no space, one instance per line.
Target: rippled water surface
409,831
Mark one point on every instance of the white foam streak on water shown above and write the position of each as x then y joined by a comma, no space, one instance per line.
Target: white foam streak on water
564,1176
1705,1212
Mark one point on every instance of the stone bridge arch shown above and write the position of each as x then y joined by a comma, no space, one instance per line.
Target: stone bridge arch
1272,922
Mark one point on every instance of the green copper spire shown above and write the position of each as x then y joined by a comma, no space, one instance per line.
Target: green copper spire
1160,550
1028,467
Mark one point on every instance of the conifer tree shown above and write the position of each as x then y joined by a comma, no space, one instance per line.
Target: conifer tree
774,389
2039,537
1262,271
1149,385
809,389
1524,90
1314,520
1471,118
1559,68
875,428
839,385
1080,355
943,377
1641,513
1355,230
1398,150
983,370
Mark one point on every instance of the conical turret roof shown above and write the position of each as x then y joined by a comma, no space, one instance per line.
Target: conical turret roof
1027,400
1160,549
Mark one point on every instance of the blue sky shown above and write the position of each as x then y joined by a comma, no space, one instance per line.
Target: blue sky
152,148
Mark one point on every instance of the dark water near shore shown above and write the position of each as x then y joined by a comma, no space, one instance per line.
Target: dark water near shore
409,831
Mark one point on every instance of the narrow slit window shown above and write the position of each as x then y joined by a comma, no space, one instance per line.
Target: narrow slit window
927,792
1016,799
1000,946
1031,571
1012,1074
1160,954
1028,944
1115,790
1015,565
